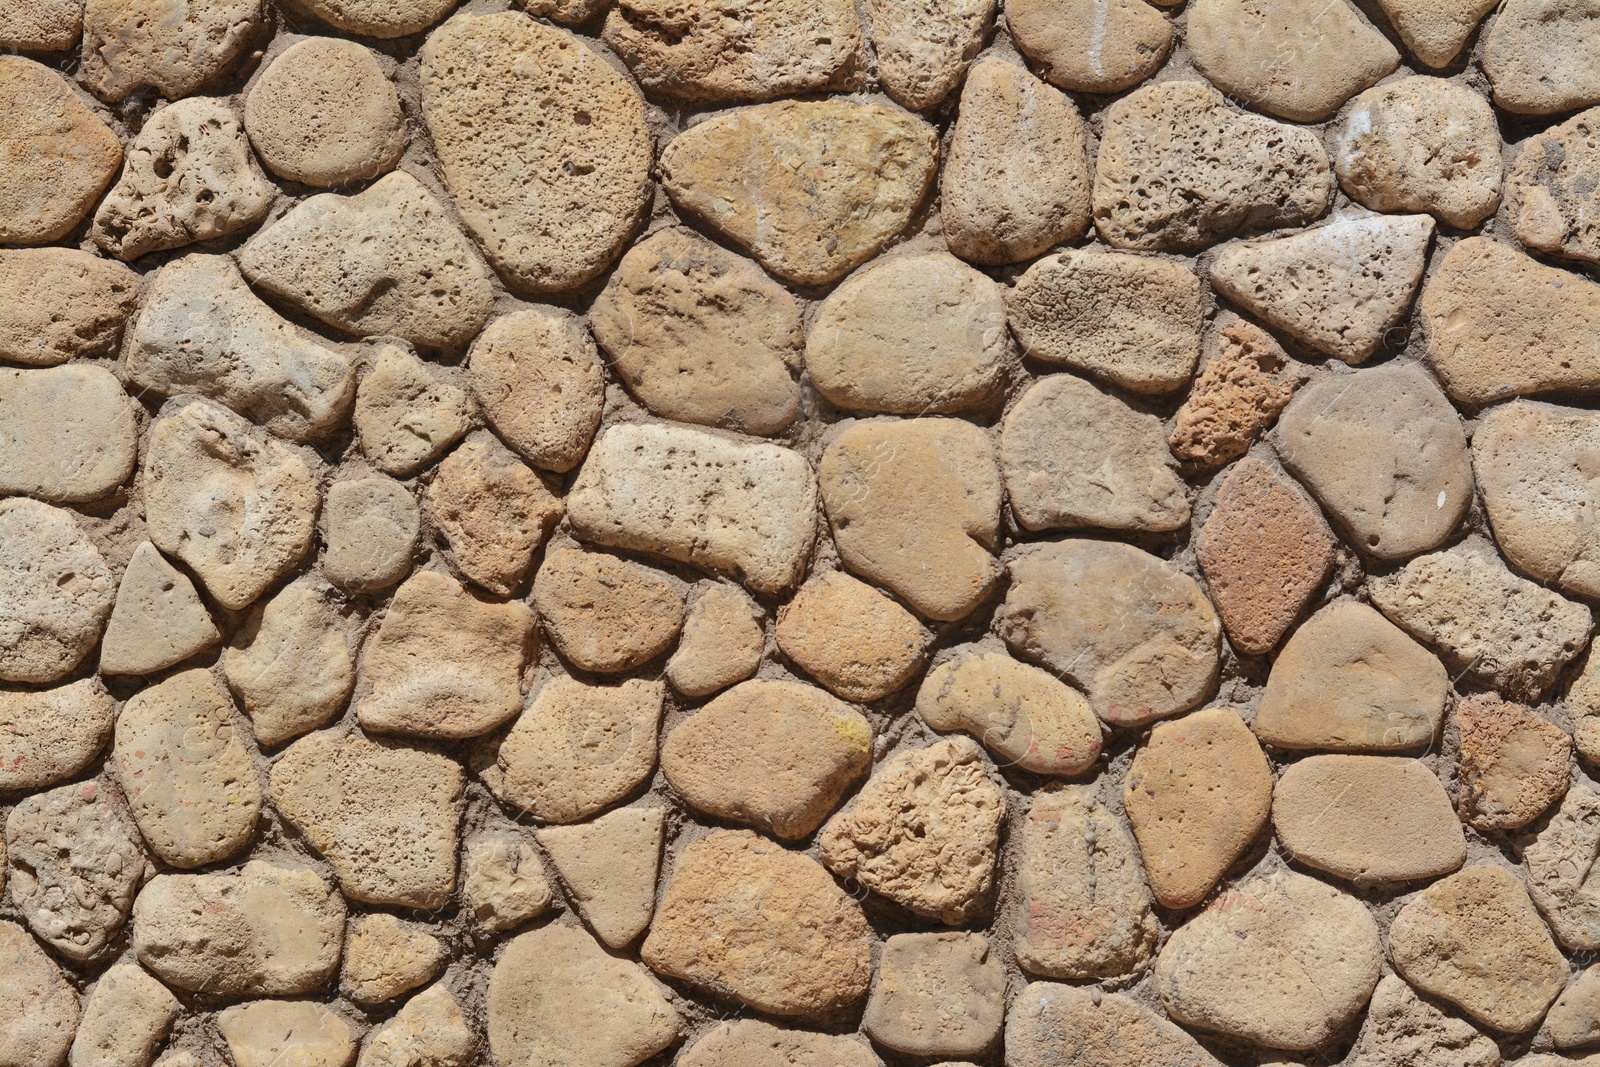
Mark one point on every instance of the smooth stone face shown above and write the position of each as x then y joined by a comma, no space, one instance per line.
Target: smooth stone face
125,1019
430,1031
159,619
62,303
1015,179
1054,1025
538,379
40,25
830,184
171,48
1198,793
937,995
605,613
502,882
1553,191
1091,46
721,644
753,1043
701,335
1514,762
1283,961
379,18
369,530
385,958
1435,30
323,113
1414,482
1542,56
407,414
55,592
1239,393
494,511
1058,592
269,1033
1403,1030
44,1007
610,866
923,50
1560,861
776,754
1421,144
56,156
1179,170
289,663
746,919
67,434
852,638
1574,1019
50,735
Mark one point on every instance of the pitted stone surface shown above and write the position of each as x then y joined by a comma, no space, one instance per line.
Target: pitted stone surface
173,48
494,512
1091,46
1541,56
1238,395
67,434
1551,190
923,49
56,592
62,303
1055,1025
50,735
1403,1030
57,156
44,1007
537,376
407,414
379,18
1435,30
1560,861
1513,762
40,25
290,663
605,613
937,995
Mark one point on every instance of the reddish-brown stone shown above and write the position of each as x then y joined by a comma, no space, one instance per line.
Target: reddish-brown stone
1513,762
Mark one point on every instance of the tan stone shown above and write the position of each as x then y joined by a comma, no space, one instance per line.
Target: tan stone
502,882
1435,30
385,957
1403,1030
166,45
721,643
1091,46
1055,1025
1574,1019
56,156
1560,862
923,50
67,434
289,663
50,735
62,303
430,1031
379,18
37,1029
271,1033
40,25
125,1019
811,189
776,754
1551,190
572,12
610,866
369,532
753,1043
158,619
937,995
605,613
407,414
1541,56
1583,704
538,379
1238,395
1514,763
850,637
55,592
494,511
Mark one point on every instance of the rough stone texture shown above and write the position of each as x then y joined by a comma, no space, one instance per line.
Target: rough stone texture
385,958
1015,180
406,414
936,995
537,376
379,18
1474,940
62,303
1435,31
1551,190
1198,792
50,735
604,613
852,638
1574,1019
56,154
753,1043
67,434
1560,861
1513,762
125,1019
269,1033
811,189
1583,704
38,1028
749,920
1542,55
721,643
502,882
159,619
1054,1025
1282,960
923,49
1179,170
494,511
369,532
55,592
1091,46
40,25
1051,614
610,866
1239,393
173,48
430,1031
289,663
1403,1030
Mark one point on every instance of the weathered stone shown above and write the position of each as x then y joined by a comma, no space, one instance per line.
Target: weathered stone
289,663
323,113
369,531
915,506
430,1031
1414,482
811,189
1403,1030
850,637
1159,660
1474,940
538,378
610,867
271,1033
746,919
56,156
1435,30
1560,861
1543,56
173,48
721,643
379,18
1054,1025
1239,394
1016,179
55,592
502,882
1514,762
1091,46
125,1019
385,958
1283,960
494,511
42,1014
1583,704
1574,1019
66,433
923,49
682,493
387,260
406,413
605,613
937,995
40,25
50,735
571,12
159,619
62,303
1551,190
775,754
1179,170
1421,144
753,1043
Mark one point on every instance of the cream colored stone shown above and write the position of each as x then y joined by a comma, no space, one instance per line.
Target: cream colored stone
502,882
610,866
538,379
67,434
1244,386
289,663
1560,862
40,25
1403,1030
937,995
379,18
1055,1025
1551,190
369,532
721,643
55,592
1091,46
56,156
172,46
159,619
1435,30
1574,1019
1583,704
385,958
494,511
852,638
430,1031
604,613
923,49
37,1029
125,1019
753,1043
50,735
1542,56
407,414
62,303
275,1033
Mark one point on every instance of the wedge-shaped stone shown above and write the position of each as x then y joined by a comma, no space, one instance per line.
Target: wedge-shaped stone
1561,869
135,44
50,735
1543,56
494,511
67,434
430,1031
44,1006
1244,386
1091,46
1055,1025
1403,1030
1553,190
924,50
610,867
538,378
289,663
159,619
937,995
722,642
62,303
1435,31
55,592
56,156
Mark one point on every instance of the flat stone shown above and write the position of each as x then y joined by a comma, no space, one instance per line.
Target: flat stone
1055,1025
776,754
159,619
1403,1030
1542,56
1435,30
131,46
269,1033
811,189
1421,144
855,640
915,506
1583,704
55,592
444,663
1338,288
683,493
1179,170
126,1017
369,532
1574,1019
697,53
1474,939
937,995
610,866
44,1007
494,512
502,882
1160,660
1551,190
923,832
40,25
1351,680
1536,342
605,613
191,783
408,414
1076,456
1129,320
429,1031
1297,59
1082,906
385,957
1265,551
1560,863
323,113
62,303
701,335
923,51
920,334
1237,396
1413,485
75,862
67,434
290,663
383,815
50,735
1091,46
1282,960
748,920
537,377
379,18
1514,762
1015,180
387,260
56,155
753,1043
721,644
578,749
1198,793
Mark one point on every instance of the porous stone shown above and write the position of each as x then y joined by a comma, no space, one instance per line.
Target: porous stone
1403,1030
1574,1019
369,531
125,1019
753,1043
812,189
538,379
270,1033
323,113
502,882
379,18
923,49
915,506
746,919
387,260
1583,704
1421,144
776,754
67,434
55,592
1551,190
407,414
721,643
609,866
701,335
1055,1025
682,493
1159,660
494,511
1513,762
385,957
430,1031
1239,393
43,1015
172,48
158,620
1560,861
1414,482
1435,30
1076,456
444,663
1542,56
40,25
1015,181
57,156
50,735
62,303
289,663
1179,170
383,815
850,637
1474,939
1091,46
605,613
937,995
571,12
1282,960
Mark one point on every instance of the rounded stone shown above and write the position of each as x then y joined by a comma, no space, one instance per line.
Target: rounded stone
494,512
1541,56
850,637
407,413
289,662
721,644
56,156
175,50
937,995
1514,762
385,957
538,378
1091,46
67,434
50,735
271,1033
1560,864
379,18
604,613
1404,1030
1553,190
56,592
922,50
753,1043
126,1018
41,25
369,530
38,1027
62,303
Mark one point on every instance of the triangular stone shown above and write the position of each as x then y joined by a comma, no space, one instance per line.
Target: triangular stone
610,867
1435,30
1337,288
159,619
